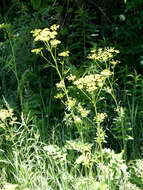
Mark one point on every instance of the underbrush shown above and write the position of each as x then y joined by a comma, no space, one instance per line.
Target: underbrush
29,163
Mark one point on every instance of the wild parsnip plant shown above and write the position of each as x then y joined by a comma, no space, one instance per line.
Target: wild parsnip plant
93,87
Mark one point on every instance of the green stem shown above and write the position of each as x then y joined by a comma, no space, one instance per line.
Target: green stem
15,71
64,88
124,140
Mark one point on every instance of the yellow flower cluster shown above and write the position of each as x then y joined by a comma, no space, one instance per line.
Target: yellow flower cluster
64,54
61,84
59,96
7,115
47,35
54,27
106,73
103,54
4,114
93,81
54,42
71,77
37,51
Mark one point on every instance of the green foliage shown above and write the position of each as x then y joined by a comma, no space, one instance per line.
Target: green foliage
40,4
126,32
70,105
136,172
35,4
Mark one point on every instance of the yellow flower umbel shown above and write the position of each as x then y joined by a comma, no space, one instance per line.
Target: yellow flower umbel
93,81
46,34
4,114
71,77
60,85
103,54
37,51
64,54
54,42
7,116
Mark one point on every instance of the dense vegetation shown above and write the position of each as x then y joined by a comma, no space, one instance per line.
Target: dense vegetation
71,95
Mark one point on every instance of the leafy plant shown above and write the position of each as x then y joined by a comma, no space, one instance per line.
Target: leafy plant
92,85
71,116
